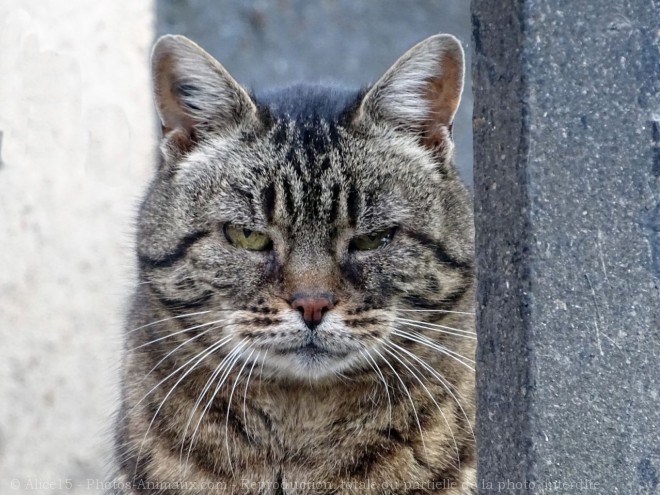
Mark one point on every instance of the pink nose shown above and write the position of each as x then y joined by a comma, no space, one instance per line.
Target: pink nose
312,308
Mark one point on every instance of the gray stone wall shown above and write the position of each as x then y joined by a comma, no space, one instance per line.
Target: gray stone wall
273,43
567,201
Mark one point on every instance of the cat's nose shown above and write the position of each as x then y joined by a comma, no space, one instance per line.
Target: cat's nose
312,308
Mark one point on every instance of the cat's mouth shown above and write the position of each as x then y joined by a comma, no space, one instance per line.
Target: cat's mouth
303,353
310,349
313,350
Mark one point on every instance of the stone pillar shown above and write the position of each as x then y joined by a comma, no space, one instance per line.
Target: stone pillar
567,203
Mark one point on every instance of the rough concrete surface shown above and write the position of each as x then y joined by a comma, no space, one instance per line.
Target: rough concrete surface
567,192
77,135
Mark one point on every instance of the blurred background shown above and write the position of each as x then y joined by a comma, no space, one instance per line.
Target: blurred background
270,43
77,142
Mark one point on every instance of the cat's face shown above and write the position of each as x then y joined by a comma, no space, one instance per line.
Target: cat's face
301,223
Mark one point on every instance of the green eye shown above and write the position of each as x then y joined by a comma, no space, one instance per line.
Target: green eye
245,238
372,241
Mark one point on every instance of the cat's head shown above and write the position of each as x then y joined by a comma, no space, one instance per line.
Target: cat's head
300,223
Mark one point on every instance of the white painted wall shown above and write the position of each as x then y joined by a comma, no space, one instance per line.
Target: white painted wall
78,135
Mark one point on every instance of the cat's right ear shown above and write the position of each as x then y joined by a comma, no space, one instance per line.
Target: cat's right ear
194,94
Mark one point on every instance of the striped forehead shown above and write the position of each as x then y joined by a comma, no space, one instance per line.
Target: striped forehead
310,183
309,180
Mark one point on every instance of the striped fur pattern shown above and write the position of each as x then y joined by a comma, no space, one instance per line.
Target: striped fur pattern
225,388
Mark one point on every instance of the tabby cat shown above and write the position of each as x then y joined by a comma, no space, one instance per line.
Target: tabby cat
303,319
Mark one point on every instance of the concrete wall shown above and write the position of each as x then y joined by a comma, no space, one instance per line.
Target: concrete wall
77,125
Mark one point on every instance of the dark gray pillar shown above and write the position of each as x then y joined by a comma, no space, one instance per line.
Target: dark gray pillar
567,191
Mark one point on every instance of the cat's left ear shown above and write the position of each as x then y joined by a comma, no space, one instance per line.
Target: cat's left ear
421,91
195,94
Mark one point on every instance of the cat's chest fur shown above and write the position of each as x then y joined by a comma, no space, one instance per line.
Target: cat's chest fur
360,438
303,322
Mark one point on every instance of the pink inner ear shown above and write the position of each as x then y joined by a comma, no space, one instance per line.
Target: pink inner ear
173,115
177,126
443,96
443,93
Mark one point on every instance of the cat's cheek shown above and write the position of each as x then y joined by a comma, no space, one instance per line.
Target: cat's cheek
237,274
270,268
353,273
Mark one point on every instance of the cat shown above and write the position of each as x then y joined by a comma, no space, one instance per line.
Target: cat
303,322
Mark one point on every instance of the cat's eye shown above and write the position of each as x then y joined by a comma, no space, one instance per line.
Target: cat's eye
372,241
245,238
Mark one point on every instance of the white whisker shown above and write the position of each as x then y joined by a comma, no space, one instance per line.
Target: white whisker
218,369
439,328
203,352
261,371
461,330
436,311
167,319
231,358
177,348
443,381
177,333
231,395
203,356
421,339
412,403
374,366
245,390
428,392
